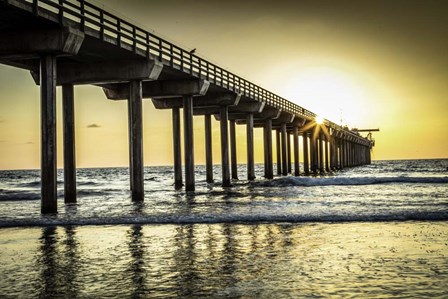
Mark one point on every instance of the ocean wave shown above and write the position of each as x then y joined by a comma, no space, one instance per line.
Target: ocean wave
348,181
19,196
224,219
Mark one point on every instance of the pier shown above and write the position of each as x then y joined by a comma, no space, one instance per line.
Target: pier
69,43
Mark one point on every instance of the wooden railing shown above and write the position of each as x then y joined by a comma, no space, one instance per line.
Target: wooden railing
104,25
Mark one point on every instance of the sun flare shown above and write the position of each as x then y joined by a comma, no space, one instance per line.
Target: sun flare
329,92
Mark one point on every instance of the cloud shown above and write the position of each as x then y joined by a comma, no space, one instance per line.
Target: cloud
93,126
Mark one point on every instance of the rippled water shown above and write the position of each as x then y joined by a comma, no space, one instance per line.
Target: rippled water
377,231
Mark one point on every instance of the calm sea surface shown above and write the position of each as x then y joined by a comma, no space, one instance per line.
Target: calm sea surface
375,231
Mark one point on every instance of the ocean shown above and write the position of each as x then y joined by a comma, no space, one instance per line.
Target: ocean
375,231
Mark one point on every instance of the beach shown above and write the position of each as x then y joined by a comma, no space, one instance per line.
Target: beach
377,231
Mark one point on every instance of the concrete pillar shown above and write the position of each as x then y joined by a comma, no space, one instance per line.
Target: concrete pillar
49,202
288,147
295,133
224,117
208,148
188,143
135,99
306,163
327,154
250,147
313,154
333,154
284,150
177,149
130,145
341,154
233,156
279,151
268,167
68,113
321,153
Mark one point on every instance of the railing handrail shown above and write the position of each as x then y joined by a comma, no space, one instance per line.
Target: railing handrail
112,28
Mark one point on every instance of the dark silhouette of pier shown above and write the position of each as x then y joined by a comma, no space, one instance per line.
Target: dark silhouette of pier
68,43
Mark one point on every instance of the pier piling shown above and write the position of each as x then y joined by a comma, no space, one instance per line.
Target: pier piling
48,134
68,115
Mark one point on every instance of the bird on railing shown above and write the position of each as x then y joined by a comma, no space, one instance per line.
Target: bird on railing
192,51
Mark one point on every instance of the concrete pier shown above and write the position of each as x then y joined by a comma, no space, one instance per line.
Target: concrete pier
208,148
279,152
136,121
326,154
284,149
250,147
48,134
296,150
69,45
188,143
68,114
223,114
233,154
268,167
306,159
177,154
288,147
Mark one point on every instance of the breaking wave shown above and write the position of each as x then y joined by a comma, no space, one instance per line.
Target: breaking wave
223,219
349,181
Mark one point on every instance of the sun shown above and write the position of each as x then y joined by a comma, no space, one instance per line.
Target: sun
319,120
329,92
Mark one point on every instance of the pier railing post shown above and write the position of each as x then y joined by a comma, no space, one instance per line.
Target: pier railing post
48,134
177,149
68,115
188,142
135,99
208,148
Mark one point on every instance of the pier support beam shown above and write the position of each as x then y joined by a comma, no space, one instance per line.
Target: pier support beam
233,155
136,121
306,159
48,134
288,146
313,153
224,116
208,148
188,142
284,150
68,114
268,166
321,153
250,147
279,151
327,154
296,150
177,149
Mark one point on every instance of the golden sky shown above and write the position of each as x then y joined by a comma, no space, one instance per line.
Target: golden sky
366,64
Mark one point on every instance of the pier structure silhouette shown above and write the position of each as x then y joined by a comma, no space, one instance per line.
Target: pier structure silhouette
73,42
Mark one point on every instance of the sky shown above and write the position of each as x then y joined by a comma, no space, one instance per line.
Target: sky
365,64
